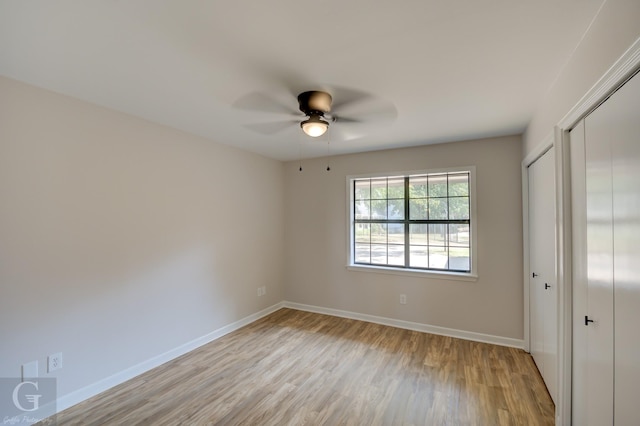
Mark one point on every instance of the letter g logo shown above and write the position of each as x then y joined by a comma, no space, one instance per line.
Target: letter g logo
31,398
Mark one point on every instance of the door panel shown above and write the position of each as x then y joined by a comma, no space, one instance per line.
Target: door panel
606,353
579,274
542,288
623,110
599,388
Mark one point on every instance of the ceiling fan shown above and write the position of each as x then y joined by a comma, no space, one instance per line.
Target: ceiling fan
353,114
315,104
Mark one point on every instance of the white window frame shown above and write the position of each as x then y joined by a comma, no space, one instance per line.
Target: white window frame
430,273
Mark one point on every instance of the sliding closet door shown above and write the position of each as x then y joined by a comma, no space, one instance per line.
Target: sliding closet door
622,111
579,273
606,287
597,320
543,322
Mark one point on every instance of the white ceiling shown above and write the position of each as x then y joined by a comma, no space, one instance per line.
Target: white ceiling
453,69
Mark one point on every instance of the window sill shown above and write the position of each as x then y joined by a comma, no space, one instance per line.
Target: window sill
454,276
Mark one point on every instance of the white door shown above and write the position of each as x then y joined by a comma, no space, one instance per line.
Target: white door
605,153
592,398
579,273
612,133
625,156
598,318
542,286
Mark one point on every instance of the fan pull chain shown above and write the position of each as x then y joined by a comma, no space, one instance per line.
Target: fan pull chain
328,151
300,153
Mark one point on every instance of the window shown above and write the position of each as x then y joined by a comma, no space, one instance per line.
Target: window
418,221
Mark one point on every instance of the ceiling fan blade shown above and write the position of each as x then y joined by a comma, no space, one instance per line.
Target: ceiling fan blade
342,120
343,97
341,133
355,106
376,112
257,101
270,128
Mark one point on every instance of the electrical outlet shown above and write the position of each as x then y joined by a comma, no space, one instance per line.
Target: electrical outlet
259,291
403,299
54,362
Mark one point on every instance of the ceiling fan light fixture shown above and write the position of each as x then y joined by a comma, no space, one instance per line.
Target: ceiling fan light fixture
315,126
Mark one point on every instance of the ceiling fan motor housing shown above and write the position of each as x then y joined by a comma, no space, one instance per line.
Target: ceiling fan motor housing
315,102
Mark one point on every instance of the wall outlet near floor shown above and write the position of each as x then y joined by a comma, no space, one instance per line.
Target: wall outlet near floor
403,299
262,291
54,362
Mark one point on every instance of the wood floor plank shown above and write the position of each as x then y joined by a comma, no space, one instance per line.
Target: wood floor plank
301,368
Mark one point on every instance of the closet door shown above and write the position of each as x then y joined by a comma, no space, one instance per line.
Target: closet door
579,273
597,320
616,124
542,288
605,152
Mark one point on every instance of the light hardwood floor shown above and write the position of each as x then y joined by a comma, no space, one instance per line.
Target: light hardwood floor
300,368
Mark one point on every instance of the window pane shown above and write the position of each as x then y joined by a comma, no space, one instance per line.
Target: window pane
418,257
379,233
396,209
379,189
417,209
459,235
396,255
418,186
363,232
378,209
459,185
438,234
418,234
438,208
437,199
363,190
363,208
459,208
438,186
396,188
379,254
362,253
438,257
459,259
396,233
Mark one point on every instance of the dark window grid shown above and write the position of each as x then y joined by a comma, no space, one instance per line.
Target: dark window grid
416,221
369,200
428,197
447,235
441,198
406,221
370,243
407,239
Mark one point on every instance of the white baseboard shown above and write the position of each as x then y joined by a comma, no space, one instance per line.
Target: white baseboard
87,392
425,328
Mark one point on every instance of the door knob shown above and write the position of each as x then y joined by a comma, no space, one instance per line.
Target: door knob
587,320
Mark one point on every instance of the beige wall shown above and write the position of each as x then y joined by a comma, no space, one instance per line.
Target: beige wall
121,239
317,241
613,31
113,229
